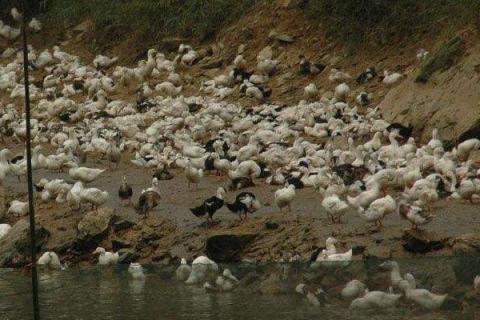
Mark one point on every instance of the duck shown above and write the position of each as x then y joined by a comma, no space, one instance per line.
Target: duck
94,196
168,89
51,261
378,209
310,296
84,174
4,229
306,67
375,300
276,179
390,79
341,92
365,198
466,147
125,192
335,207
285,196
423,297
192,174
103,62
415,215
310,91
148,200
35,25
135,269
183,271
396,279
210,205
202,268
353,289
245,202
18,208
106,258
333,260
227,281
238,183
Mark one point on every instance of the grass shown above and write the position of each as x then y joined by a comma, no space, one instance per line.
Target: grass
200,19
382,22
441,60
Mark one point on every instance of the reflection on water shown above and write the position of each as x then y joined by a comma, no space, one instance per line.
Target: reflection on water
102,293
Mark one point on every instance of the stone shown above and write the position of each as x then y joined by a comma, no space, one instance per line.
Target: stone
15,246
272,285
123,222
271,225
212,63
94,227
378,252
280,37
265,54
241,49
419,241
127,256
227,247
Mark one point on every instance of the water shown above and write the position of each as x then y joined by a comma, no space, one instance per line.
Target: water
102,293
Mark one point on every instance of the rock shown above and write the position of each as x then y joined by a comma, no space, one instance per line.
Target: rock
118,244
212,63
123,222
127,256
280,37
241,49
419,241
93,227
172,43
83,27
15,246
271,225
265,53
273,284
227,247
467,260
378,252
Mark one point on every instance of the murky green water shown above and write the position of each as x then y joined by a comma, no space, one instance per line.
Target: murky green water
99,293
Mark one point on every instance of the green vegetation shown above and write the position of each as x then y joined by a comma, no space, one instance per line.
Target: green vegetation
156,18
383,21
441,60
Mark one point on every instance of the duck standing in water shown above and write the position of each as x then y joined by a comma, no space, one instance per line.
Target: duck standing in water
183,271
106,258
125,192
210,205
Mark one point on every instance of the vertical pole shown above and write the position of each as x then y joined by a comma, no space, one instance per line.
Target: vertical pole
33,248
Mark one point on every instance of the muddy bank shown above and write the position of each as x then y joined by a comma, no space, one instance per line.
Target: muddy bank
171,232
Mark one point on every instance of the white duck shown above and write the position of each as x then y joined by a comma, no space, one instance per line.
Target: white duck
4,229
335,207
84,174
136,271
106,258
353,289
376,300
415,215
18,208
50,260
284,197
94,196
423,297
192,174
183,271
378,209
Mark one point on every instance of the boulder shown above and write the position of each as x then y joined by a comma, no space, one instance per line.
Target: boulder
15,246
123,222
280,37
265,54
94,227
419,241
227,247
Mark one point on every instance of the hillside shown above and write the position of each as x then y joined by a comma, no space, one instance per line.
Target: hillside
350,36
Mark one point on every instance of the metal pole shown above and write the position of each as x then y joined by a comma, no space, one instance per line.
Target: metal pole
33,248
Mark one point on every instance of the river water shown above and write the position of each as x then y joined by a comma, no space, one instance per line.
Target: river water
110,293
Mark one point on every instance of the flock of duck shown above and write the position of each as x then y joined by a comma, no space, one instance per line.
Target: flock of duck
336,144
